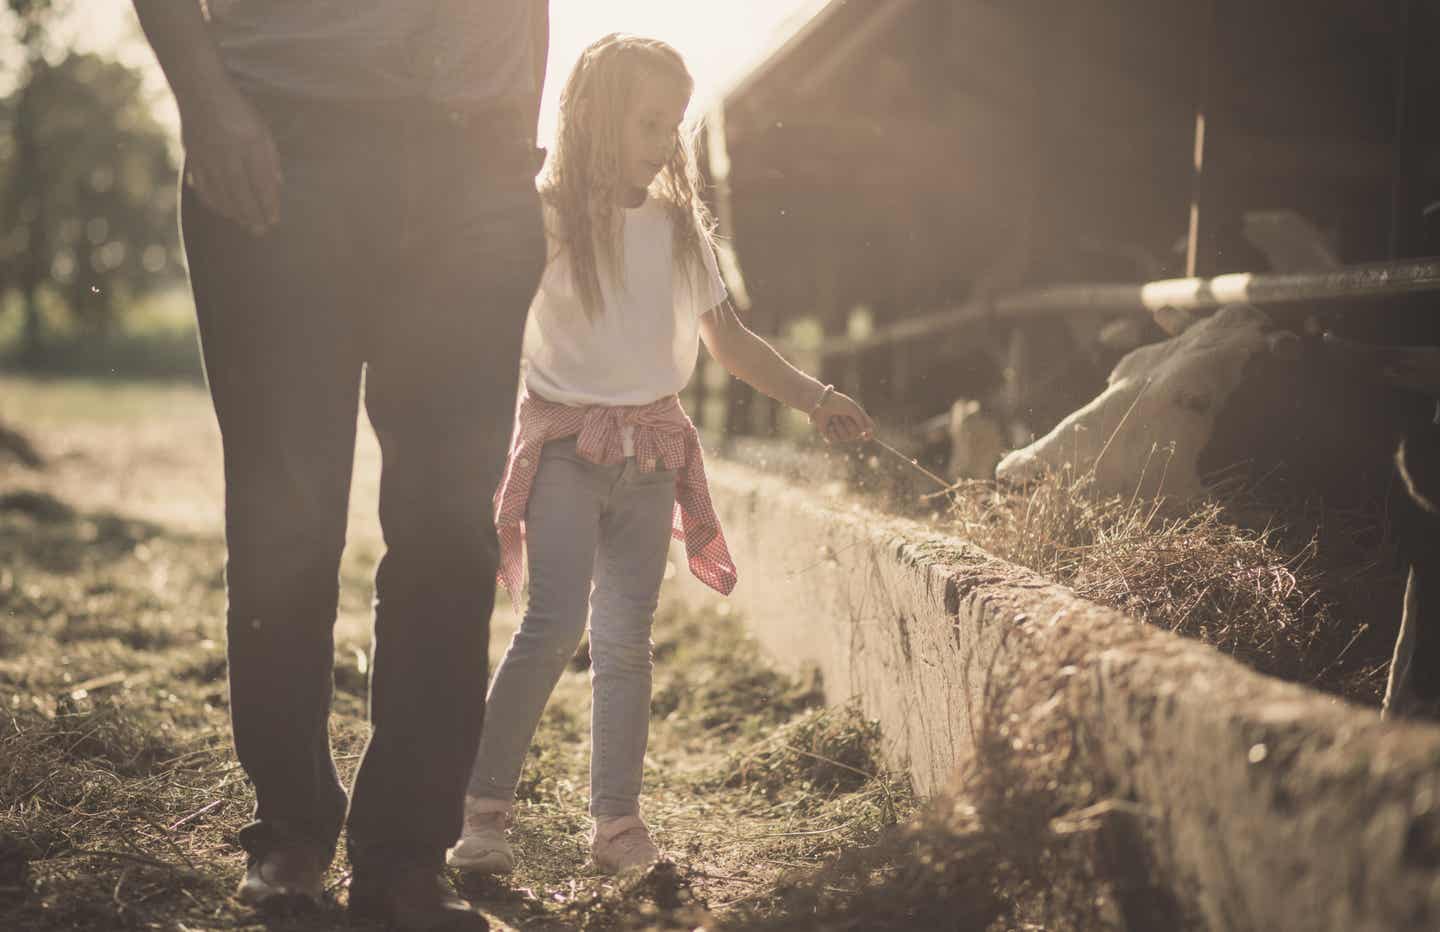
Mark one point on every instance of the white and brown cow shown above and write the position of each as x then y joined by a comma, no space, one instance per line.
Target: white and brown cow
1149,427
1237,394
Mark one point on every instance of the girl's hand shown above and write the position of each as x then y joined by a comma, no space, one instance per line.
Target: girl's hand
841,419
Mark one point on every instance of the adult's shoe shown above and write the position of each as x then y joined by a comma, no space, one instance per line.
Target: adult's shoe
288,878
411,897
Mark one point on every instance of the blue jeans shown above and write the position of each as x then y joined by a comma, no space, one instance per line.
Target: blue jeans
606,525
408,248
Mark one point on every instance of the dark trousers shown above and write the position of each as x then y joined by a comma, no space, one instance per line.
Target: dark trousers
409,248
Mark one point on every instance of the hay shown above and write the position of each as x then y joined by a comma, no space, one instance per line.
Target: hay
1023,839
826,751
1290,588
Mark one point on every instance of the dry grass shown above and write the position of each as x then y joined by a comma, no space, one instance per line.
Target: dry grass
732,826
119,793
1283,583
120,801
1024,840
1290,588
120,796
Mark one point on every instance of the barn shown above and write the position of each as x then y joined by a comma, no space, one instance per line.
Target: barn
936,199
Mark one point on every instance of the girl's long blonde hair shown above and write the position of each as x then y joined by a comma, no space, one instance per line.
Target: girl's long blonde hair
582,183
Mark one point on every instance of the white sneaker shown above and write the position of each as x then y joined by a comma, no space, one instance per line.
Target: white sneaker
483,847
622,844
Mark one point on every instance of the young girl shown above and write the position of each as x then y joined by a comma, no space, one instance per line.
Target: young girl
605,463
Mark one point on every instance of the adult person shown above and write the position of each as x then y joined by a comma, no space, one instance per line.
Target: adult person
359,195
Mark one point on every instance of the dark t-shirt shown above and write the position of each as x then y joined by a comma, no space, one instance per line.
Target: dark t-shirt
466,55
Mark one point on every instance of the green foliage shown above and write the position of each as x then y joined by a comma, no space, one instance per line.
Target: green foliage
86,192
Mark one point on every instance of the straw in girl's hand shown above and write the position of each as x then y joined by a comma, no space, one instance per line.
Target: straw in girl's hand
914,464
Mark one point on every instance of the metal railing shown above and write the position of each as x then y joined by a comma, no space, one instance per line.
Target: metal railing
1373,280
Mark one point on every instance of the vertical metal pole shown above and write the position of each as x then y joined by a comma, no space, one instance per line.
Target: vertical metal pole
1202,187
1197,186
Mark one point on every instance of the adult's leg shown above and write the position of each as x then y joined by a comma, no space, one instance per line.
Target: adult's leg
443,368
283,368
561,528
629,567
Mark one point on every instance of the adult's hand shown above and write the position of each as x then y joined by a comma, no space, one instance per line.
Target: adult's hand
231,160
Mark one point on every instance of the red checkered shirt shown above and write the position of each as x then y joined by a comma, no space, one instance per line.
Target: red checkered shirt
663,438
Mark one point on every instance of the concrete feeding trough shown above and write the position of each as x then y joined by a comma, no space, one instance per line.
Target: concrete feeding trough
1272,806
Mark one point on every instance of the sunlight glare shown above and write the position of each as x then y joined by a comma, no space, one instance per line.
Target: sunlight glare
720,41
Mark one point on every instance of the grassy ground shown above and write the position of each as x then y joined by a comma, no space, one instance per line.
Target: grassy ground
120,797
153,338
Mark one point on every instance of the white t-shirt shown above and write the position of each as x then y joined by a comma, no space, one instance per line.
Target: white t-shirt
643,346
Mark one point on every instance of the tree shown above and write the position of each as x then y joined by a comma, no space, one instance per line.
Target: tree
87,182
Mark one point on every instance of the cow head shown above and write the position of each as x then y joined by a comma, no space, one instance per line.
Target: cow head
1149,427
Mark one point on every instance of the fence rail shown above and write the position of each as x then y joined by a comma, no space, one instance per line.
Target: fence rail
1373,280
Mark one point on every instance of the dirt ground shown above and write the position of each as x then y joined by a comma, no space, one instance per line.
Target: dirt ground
120,796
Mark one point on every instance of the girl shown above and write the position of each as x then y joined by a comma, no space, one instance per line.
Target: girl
605,463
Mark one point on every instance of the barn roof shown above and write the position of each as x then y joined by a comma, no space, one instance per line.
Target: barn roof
892,122
838,29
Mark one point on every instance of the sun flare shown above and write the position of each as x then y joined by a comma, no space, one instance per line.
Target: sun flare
720,41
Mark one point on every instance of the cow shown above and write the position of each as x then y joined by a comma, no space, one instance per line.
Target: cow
1235,394
965,442
1034,375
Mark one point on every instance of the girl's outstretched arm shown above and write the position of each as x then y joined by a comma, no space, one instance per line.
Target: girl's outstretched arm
749,358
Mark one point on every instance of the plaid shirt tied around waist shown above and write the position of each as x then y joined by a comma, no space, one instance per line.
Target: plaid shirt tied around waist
664,438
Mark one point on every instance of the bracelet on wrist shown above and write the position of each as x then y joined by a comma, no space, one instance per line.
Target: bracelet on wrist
824,396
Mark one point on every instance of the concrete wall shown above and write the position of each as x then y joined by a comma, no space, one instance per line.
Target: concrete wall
1269,805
